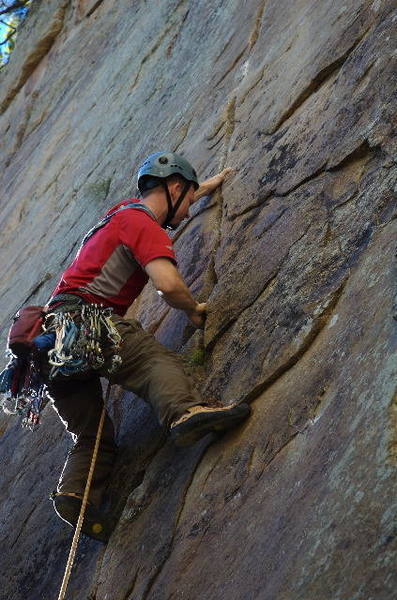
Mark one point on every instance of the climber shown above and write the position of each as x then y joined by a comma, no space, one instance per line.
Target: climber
116,259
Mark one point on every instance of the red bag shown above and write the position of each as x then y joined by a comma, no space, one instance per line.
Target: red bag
27,325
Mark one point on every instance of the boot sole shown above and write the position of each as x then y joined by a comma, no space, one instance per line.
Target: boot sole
94,524
201,424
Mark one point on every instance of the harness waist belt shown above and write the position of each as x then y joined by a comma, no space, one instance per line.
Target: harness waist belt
66,298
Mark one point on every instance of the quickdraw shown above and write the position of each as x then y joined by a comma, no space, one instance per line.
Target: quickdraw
23,390
85,339
76,342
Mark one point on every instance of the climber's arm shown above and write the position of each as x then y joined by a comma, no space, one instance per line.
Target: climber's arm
170,285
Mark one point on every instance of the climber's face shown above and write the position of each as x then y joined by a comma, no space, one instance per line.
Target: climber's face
183,210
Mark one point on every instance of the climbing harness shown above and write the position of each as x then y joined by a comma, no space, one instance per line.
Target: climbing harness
78,342
75,541
85,340
106,219
23,390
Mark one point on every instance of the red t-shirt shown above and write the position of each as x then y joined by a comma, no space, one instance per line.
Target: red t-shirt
109,268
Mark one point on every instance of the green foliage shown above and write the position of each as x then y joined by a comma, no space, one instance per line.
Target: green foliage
12,13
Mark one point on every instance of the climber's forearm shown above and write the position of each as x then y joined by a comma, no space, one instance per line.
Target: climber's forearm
179,297
170,285
207,187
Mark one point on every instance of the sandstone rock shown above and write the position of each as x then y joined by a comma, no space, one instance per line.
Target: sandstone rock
295,256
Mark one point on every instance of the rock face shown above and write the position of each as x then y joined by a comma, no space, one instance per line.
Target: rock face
295,256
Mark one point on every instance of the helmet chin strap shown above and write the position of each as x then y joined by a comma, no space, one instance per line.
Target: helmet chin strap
172,210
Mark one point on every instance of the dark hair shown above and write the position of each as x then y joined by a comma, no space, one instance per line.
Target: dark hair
148,182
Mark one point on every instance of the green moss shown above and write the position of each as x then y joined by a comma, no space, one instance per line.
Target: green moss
196,356
98,191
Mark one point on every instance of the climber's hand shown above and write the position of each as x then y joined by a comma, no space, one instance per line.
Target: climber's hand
209,185
225,174
198,315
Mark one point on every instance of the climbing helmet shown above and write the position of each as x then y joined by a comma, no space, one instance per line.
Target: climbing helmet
164,164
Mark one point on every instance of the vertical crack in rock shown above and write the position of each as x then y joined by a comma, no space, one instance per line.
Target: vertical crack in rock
93,8
213,466
23,127
268,285
392,446
275,455
177,33
152,581
229,324
218,141
216,128
234,63
228,122
155,47
260,204
359,152
22,526
322,77
319,324
259,77
255,457
225,47
128,595
257,26
253,38
37,287
184,131
95,580
225,127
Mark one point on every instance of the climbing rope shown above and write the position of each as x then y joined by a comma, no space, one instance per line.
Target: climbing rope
75,541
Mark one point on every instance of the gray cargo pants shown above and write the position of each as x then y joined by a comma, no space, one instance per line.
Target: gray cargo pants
149,370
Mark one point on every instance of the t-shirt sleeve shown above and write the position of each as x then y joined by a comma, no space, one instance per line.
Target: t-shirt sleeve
144,237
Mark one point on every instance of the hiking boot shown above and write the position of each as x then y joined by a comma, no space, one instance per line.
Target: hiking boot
95,524
200,420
